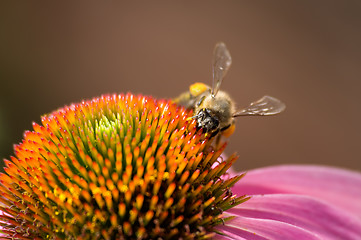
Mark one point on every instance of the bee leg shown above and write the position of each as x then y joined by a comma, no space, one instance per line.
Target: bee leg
225,128
200,101
218,140
215,133
227,131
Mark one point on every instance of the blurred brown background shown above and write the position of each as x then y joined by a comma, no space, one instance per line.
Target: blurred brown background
307,53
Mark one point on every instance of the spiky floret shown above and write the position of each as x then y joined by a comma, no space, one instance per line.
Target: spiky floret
115,167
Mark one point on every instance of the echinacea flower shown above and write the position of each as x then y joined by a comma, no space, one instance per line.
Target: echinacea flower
132,167
116,167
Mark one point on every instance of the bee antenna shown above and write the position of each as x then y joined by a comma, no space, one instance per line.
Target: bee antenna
193,117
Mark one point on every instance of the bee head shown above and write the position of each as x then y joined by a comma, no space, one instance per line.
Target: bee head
206,120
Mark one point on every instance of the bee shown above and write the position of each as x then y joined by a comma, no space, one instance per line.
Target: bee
213,109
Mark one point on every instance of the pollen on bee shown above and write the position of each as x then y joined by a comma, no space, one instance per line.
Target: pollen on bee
197,88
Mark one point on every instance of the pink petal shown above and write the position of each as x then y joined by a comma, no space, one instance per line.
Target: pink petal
262,229
311,215
341,188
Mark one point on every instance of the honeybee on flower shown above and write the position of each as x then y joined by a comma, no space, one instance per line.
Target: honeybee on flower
213,109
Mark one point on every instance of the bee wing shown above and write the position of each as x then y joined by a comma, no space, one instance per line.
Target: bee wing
221,62
265,106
